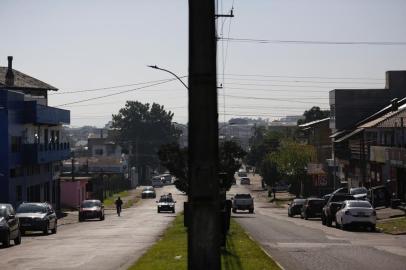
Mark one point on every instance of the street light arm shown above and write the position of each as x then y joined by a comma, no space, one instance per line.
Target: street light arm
170,72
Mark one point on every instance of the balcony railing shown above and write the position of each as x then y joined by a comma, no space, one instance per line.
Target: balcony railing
40,114
45,153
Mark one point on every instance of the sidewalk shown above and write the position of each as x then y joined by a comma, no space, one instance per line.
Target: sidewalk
386,213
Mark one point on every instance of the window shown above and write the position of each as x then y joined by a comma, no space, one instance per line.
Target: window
16,172
15,144
19,193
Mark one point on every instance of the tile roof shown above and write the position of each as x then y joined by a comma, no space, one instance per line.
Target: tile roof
23,81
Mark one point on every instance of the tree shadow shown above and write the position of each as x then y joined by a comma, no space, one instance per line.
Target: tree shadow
229,258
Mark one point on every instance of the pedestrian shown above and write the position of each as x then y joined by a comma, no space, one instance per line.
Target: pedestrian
274,193
118,204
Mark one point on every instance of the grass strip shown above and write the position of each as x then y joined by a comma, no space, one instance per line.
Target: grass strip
170,252
110,200
393,226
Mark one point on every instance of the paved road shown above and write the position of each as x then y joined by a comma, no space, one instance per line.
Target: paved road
301,244
113,243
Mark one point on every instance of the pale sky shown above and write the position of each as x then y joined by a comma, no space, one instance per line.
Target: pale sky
79,45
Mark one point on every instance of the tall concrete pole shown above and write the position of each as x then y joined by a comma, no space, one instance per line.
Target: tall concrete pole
204,206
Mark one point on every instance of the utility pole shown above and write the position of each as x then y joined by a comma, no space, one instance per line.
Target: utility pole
73,166
203,216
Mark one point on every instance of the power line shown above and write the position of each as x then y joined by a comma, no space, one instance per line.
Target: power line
303,77
275,99
114,94
109,87
314,42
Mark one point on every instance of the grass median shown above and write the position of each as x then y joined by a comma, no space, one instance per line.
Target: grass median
170,252
393,225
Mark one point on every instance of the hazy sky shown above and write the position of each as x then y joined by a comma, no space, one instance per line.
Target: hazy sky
79,45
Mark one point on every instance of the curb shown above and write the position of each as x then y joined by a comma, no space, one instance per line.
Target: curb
266,252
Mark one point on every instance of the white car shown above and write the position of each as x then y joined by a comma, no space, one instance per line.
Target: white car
356,212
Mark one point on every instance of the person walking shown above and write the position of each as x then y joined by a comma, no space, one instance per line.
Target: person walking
118,204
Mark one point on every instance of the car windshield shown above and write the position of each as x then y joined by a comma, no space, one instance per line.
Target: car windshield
316,202
245,178
31,208
88,204
363,204
298,201
340,198
360,190
166,199
2,212
243,196
148,189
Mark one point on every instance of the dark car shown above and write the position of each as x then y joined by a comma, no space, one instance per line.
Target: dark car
90,209
37,217
379,196
245,181
166,203
333,204
9,226
312,207
359,193
295,207
148,192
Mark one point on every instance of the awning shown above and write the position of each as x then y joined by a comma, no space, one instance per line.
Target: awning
355,132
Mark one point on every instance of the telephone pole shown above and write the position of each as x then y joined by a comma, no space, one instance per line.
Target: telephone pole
203,216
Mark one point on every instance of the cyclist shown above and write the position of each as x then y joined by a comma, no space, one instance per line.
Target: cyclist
118,203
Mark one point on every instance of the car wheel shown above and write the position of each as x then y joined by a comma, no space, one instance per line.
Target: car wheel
102,217
55,228
17,240
46,230
159,211
173,210
6,241
234,210
338,226
251,211
373,228
305,216
323,220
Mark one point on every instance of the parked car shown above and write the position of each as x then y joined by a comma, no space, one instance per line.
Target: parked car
166,203
245,181
243,202
148,192
356,212
242,174
378,196
335,201
166,179
37,217
90,209
359,193
156,181
295,207
312,207
9,226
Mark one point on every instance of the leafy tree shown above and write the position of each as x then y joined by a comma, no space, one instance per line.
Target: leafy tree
291,160
174,159
315,113
142,129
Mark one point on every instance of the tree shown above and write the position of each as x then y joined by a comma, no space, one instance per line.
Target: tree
174,159
315,113
142,129
291,161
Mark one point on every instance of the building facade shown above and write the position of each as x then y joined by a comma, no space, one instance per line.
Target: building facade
32,142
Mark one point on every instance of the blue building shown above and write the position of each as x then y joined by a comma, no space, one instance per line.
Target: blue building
32,143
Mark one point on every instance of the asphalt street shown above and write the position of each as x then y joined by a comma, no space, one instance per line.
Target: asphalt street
307,244
113,243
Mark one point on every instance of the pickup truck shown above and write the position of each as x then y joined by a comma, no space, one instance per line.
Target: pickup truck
328,214
243,202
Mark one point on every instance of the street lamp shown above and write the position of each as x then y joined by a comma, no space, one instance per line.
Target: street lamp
170,72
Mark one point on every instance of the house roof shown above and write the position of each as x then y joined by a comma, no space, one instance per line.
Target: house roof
23,81
314,122
349,135
387,120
